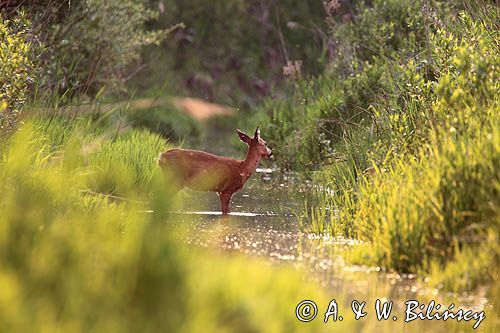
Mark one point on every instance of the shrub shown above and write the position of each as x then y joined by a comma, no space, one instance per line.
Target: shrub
431,197
404,130
231,51
330,110
88,44
16,68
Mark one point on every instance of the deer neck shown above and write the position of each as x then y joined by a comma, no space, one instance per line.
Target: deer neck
249,164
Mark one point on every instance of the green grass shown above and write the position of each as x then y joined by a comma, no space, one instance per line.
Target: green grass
404,139
76,261
421,211
115,162
132,156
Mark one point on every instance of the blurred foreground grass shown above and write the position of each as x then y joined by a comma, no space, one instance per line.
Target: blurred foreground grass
79,253
75,260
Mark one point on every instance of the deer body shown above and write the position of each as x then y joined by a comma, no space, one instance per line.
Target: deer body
203,171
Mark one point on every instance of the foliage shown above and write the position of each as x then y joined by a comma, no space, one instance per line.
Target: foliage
15,69
452,187
233,52
411,130
116,163
76,261
382,29
166,121
72,261
88,44
328,110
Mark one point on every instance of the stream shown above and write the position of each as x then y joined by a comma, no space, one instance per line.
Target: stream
263,224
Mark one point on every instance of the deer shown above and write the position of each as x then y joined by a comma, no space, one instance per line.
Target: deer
202,171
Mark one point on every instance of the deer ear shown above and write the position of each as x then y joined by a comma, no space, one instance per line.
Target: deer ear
243,137
256,136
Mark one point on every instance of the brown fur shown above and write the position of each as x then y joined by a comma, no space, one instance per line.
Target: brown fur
202,171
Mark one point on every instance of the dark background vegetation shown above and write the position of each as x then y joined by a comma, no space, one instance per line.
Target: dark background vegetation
229,52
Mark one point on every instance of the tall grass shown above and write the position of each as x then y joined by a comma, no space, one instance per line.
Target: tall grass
421,211
76,261
411,129
72,261
427,206
131,156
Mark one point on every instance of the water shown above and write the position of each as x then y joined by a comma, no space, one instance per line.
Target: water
264,225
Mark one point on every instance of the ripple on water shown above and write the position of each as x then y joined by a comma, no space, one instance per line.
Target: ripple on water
271,231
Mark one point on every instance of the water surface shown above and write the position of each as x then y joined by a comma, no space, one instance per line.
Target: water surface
263,224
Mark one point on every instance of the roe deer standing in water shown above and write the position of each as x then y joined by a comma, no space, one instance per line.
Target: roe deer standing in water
202,171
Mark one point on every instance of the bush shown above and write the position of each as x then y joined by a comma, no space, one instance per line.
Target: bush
16,66
231,51
89,44
329,110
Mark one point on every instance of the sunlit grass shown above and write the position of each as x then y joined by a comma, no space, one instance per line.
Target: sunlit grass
418,182
75,261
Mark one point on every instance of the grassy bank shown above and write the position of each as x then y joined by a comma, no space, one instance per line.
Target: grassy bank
402,135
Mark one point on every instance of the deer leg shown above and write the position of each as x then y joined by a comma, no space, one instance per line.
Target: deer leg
225,199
